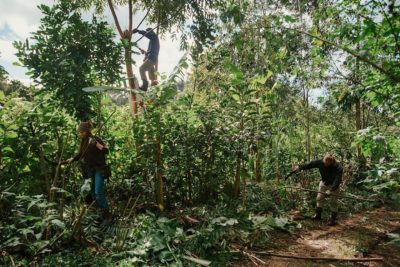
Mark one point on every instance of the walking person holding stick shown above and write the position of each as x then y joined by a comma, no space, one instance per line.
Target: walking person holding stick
331,177
92,153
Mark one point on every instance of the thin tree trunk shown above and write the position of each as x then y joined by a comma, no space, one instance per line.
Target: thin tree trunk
358,123
128,52
239,155
258,162
363,121
190,185
358,101
129,72
43,169
237,175
308,138
159,175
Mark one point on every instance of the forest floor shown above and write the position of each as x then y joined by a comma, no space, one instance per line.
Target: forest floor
361,235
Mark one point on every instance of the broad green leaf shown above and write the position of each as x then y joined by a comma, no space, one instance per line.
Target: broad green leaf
11,135
8,149
58,223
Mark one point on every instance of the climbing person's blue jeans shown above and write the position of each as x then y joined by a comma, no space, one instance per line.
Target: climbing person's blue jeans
97,188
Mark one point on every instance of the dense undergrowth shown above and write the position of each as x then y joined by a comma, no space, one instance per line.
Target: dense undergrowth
201,171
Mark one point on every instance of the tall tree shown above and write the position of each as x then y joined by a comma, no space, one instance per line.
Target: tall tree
167,15
68,54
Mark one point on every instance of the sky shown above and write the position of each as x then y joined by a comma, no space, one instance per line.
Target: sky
19,18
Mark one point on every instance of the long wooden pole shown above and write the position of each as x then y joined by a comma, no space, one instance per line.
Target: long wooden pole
343,196
316,258
159,170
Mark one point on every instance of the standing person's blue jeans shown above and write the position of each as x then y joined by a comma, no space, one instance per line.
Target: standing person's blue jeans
97,188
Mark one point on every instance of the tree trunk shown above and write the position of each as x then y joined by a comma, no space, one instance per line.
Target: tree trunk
129,72
190,185
358,123
237,175
239,155
307,133
159,176
128,53
43,170
258,162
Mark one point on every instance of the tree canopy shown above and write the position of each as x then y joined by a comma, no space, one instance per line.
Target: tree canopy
205,166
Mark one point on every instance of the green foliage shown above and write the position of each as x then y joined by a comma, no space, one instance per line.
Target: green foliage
382,151
32,131
68,53
150,240
395,239
3,74
28,222
192,19
220,147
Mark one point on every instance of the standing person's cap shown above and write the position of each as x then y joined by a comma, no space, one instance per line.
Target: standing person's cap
85,127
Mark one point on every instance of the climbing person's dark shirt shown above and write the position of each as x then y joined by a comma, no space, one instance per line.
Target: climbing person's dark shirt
154,45
331,176
91,156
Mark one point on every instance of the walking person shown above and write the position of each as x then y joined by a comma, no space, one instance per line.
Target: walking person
92,154
331,177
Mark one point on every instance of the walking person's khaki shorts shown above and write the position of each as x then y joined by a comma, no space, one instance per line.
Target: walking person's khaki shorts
332,198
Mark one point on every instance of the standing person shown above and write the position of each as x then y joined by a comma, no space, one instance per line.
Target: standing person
92,153
151,58
331,178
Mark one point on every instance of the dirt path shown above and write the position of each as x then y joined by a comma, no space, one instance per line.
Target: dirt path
359,235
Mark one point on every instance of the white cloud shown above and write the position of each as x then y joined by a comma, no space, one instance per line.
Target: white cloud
7,51
22,16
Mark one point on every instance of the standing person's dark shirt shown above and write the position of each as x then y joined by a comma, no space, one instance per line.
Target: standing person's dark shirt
331,175
90,154
154,45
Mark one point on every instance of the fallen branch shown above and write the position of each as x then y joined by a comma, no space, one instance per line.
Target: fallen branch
253,257
343,196
77,223
49,244
315,258
239,249
190,219
197,260
12,261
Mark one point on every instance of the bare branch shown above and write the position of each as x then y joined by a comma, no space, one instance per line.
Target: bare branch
353,53
115,18
130,19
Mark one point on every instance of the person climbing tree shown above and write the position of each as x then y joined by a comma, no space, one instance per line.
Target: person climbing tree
92,154
151,58
331,178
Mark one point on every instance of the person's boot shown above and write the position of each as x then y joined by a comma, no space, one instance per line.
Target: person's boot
106,216
145,85
318,214
154,83
332,219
